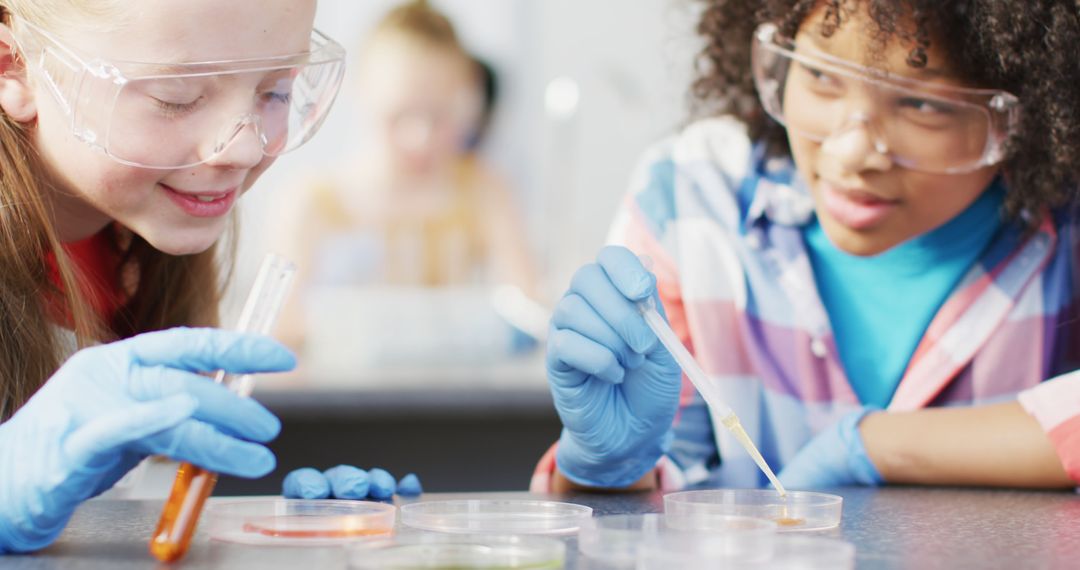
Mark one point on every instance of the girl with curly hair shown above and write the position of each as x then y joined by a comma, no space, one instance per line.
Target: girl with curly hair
868,243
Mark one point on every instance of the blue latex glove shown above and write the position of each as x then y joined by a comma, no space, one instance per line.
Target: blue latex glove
835,457
347,482
616,388
110,406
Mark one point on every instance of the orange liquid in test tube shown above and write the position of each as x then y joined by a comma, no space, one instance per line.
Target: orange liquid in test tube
190,490
193,485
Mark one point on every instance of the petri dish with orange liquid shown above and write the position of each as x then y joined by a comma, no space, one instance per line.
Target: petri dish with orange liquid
299,522
792,512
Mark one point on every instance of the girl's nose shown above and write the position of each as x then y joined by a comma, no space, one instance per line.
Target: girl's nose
414,133
239,147
856,147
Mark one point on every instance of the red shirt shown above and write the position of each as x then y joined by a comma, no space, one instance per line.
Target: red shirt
97,263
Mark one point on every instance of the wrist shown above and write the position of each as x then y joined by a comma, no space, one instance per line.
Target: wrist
605,470
12,540
6,542
861,466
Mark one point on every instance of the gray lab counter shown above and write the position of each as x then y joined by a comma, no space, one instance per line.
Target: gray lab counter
899,527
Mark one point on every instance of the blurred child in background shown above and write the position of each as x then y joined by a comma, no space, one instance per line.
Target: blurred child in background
416,206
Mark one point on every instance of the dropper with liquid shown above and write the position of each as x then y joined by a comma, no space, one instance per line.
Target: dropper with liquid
697,377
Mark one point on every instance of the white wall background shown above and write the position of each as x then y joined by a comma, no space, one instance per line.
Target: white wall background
631,61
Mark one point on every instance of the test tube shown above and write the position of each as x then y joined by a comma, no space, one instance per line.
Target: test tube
193,485
698,378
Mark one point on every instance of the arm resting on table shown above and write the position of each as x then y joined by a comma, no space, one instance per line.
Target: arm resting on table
995,445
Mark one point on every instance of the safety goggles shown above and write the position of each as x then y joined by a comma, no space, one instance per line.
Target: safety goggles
168,116
920,125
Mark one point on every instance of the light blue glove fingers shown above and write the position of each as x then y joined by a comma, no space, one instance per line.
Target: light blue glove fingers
206,350
348,482
218,406
655,396
383,485
305,483
199,443
626,272
592,283
574,313
630,276
572,359
409,486
95,443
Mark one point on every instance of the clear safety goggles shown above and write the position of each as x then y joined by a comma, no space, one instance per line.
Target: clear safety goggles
919,125
168,116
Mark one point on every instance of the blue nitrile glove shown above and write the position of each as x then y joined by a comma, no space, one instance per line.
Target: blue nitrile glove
616,388
110,406
835,457
347,482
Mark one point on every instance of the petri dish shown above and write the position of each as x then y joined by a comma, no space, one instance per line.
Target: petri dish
810,553
299,521
617,539
495,516
797,511
428,551
696,551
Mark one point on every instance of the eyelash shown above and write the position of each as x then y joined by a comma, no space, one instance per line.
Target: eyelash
173,110
176,109
285,98
919,104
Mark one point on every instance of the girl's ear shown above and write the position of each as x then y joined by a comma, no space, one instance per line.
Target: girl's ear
16,96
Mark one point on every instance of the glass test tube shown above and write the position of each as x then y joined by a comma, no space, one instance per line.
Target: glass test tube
193,485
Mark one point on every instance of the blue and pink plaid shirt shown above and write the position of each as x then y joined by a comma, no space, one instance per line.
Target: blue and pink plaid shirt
723,225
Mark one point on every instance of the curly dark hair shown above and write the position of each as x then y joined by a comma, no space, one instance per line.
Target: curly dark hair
1026,47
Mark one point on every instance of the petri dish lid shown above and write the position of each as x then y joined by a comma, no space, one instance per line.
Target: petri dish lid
298,522
810,553
460,551
616,539
697,551
797,511
495,516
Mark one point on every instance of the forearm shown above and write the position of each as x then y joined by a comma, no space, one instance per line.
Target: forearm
997,445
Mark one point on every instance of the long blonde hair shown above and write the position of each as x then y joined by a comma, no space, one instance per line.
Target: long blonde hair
160,290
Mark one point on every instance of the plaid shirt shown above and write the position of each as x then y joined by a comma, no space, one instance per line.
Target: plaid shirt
723,225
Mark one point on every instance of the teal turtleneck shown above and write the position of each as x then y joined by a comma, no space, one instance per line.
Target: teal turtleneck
880,306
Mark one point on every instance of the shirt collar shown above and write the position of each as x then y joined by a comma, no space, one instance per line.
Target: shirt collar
779,194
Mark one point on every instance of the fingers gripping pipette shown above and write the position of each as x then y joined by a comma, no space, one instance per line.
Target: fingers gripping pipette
693,371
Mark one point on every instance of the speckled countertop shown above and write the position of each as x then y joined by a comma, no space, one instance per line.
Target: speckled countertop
901,527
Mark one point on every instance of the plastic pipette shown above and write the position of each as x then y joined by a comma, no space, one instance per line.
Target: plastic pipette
697,377
193,485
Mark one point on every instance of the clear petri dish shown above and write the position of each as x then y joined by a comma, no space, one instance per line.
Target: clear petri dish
298,522
616,539
810,553
797,511
494,516
785,552
442,551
